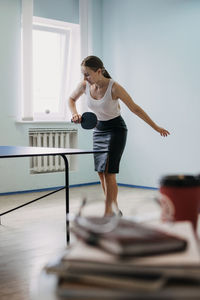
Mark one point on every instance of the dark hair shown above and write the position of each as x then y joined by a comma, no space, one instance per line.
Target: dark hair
95,63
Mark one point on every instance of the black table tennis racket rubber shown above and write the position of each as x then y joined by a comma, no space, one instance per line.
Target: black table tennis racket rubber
88,120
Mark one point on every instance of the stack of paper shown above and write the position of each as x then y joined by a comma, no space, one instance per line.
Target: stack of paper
88,272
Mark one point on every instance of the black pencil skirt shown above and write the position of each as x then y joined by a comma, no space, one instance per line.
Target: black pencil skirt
109,135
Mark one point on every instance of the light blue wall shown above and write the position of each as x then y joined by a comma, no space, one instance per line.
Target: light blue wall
14,173
95,27
63,10
152,47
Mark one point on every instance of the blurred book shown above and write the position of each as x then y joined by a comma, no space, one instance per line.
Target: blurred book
96,287
126,238
81,254
88,272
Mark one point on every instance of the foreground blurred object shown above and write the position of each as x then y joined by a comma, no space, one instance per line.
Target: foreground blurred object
180,198
124,237
88,272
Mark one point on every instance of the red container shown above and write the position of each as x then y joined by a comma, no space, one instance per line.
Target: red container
180,198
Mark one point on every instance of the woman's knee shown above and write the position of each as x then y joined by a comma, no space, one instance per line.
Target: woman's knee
102,178
101,175
110,178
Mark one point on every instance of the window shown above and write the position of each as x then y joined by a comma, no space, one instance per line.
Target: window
54,70
50,58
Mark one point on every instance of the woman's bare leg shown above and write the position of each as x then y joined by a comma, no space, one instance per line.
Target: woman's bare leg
110,188
102,180
111,193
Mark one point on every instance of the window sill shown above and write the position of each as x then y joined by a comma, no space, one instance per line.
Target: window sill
48,123
42,122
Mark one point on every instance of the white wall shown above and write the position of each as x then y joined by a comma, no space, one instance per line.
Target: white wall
152,47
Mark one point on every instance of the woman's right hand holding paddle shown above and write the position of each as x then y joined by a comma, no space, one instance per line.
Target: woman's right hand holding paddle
76,118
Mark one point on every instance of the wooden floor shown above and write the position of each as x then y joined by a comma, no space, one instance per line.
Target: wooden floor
31,236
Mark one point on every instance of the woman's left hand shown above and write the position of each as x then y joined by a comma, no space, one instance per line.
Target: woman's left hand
163,132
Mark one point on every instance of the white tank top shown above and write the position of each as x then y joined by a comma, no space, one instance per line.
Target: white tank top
105,108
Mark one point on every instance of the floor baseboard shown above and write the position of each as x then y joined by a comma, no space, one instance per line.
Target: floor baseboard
73,186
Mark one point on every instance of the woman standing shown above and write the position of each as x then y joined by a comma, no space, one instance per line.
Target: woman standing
103,95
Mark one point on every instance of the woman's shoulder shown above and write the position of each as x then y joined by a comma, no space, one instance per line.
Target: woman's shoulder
115,89
80,89
81,86
115,85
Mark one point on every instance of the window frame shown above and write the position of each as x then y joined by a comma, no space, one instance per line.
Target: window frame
71,62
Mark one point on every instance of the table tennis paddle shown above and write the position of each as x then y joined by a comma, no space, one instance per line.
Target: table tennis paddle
88,120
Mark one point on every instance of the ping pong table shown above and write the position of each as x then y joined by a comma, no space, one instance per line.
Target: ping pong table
20,151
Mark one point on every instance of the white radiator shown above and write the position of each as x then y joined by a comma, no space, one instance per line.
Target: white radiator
54,138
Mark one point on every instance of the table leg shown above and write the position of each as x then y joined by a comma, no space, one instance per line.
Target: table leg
27,203
67,196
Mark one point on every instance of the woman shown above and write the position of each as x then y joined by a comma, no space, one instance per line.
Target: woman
103,95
